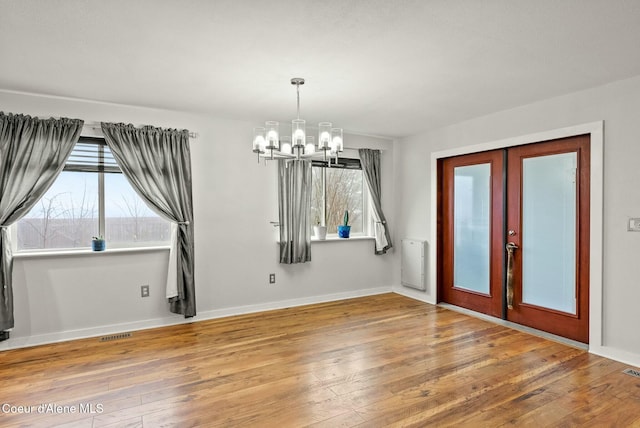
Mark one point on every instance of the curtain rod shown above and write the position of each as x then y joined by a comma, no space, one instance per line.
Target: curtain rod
358,148
96,127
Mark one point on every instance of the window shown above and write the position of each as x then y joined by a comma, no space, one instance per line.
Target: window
91,197
336,189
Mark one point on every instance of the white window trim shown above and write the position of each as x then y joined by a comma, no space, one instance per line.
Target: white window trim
336,239
62,252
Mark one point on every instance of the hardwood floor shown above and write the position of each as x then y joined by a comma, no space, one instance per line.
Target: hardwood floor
375,361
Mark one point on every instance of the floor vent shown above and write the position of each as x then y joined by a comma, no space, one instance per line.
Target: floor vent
115,337
632,372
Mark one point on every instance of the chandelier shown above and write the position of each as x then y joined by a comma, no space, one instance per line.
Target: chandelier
268,142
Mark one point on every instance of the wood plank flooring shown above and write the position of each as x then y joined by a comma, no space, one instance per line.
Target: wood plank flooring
375,361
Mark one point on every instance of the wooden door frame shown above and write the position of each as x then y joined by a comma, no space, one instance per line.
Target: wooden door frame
596,133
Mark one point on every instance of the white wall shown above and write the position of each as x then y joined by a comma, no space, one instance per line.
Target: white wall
618,104
64,297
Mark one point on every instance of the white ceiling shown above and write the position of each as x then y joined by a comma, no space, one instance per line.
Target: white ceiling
380,67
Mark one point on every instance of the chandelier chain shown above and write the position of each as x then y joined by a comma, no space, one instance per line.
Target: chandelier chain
298,92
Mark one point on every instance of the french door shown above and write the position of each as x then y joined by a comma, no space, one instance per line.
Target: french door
514,234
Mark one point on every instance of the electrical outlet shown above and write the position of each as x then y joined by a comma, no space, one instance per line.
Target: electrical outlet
272,278
633,225
144,291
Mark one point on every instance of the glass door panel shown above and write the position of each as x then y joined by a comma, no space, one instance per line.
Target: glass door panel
472,227
549,231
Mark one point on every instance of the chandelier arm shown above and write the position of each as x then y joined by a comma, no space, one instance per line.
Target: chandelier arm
267,143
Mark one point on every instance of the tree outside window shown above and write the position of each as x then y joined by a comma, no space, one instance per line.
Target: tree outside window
336,190
91,197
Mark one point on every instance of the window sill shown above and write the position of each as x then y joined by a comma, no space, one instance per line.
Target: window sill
86,252
335,239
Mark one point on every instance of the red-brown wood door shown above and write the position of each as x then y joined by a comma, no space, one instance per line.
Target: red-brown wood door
514,234
472,194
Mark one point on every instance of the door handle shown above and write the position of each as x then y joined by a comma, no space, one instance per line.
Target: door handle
511,247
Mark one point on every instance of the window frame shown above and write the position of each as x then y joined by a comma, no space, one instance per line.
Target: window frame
104,165
101,169
349,162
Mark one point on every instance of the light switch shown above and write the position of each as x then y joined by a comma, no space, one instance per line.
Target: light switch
634,225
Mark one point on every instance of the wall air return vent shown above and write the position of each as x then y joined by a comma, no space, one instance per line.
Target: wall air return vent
115,337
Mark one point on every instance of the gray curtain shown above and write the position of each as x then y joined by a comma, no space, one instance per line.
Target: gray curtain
32,153
157,163
294,200
370,161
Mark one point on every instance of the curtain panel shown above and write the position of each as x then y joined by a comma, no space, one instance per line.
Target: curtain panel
370,161
157,163
294,203
33,152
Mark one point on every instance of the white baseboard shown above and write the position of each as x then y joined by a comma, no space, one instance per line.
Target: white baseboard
616,354
411,293
603,351
290,303
43,339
